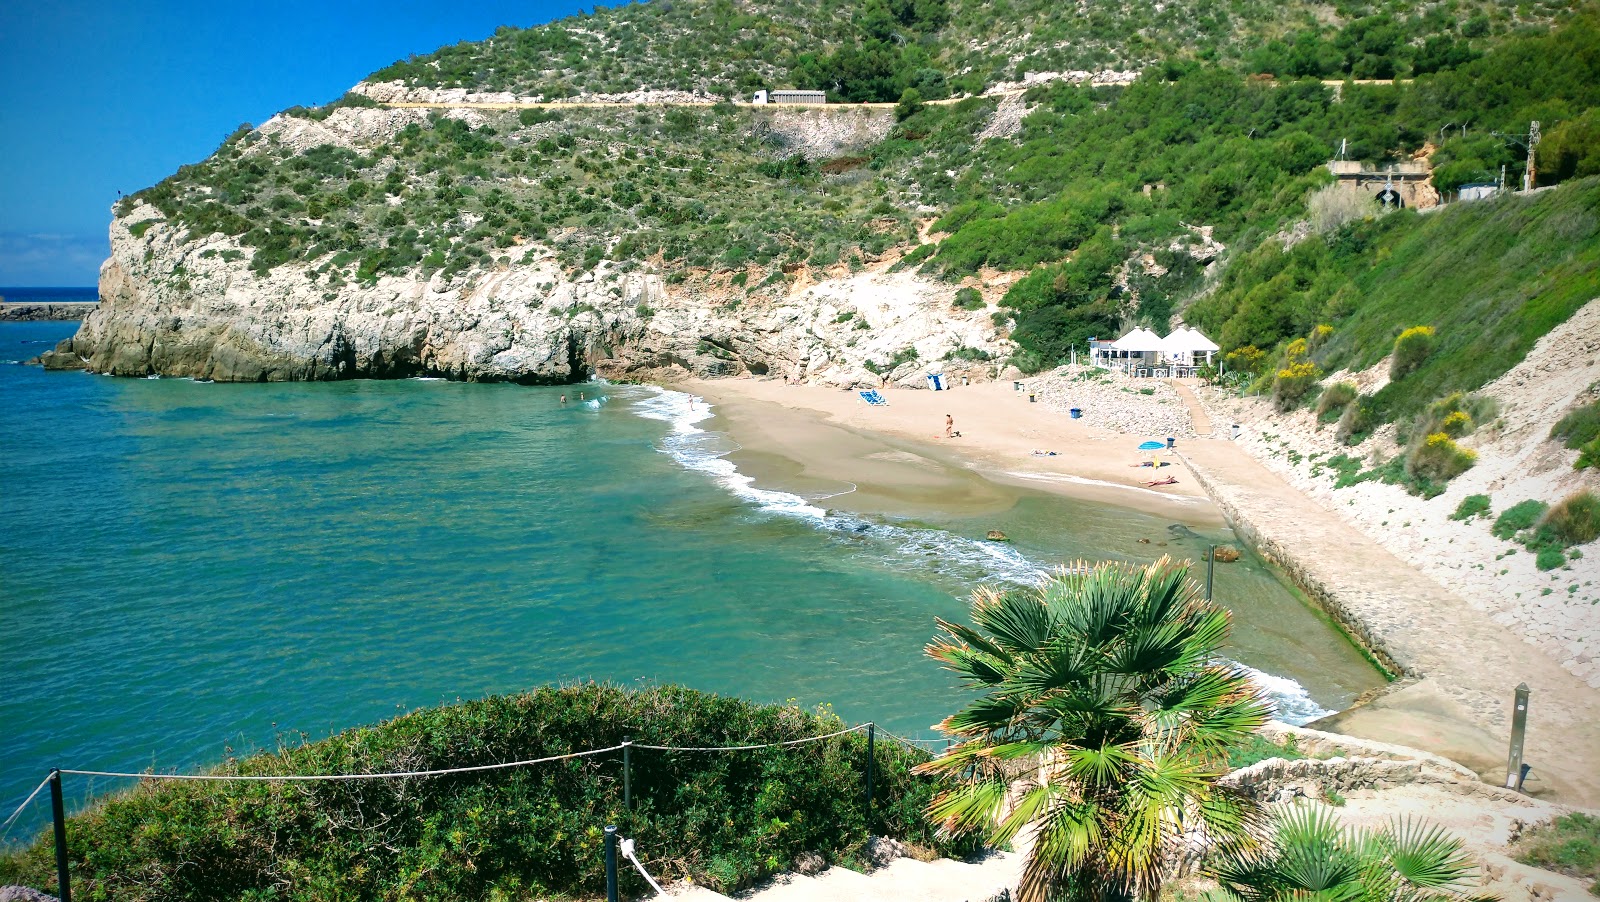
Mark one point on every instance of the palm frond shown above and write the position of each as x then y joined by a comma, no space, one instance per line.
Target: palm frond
1426,856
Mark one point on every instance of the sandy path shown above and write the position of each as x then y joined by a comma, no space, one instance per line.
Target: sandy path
1197,412
1465,666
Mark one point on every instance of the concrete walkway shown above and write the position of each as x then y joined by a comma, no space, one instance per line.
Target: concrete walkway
902,880
1459,668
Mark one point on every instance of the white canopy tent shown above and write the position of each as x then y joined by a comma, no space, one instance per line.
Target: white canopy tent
1183,346
1139,341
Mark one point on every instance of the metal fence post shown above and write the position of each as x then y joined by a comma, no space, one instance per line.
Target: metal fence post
1519,730
58,811
627,773
872,735
611,863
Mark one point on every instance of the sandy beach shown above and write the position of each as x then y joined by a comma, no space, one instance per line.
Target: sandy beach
825,443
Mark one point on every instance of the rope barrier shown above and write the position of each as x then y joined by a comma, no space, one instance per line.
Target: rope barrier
626,846
912,743
304,778
5,828
745,748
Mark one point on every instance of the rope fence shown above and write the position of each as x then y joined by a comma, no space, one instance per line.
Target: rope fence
614,843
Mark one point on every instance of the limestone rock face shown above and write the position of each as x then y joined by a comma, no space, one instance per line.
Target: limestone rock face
180,305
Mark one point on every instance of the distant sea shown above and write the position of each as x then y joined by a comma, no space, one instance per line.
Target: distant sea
192,568
27,295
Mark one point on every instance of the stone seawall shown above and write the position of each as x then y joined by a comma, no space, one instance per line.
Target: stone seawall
32,312
1304,573
1458,667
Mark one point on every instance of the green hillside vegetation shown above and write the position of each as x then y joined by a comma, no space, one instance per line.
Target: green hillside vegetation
876,49
1097,175
1490,277
524,833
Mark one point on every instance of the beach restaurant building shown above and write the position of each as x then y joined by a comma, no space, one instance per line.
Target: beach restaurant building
1144,353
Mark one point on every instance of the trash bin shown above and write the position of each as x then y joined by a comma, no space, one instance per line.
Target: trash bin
1171,442
1235,430
1076,413
1031,398
1017,386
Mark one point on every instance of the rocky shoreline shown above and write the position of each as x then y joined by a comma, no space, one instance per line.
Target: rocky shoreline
56,311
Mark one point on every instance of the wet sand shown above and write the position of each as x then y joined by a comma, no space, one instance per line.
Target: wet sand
823,443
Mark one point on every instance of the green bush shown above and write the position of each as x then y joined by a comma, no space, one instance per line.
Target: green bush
1438,458
1518,517
1581,426
1259,748
969,299
1336,397
1292,382
1411,348
1472,506
1570,844
1550,558
1588,456
1575,520
530,832
1354,423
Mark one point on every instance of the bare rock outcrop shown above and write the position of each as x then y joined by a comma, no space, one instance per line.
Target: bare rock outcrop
179,306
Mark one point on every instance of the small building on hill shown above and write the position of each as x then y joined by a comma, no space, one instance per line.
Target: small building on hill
1408,184
790,97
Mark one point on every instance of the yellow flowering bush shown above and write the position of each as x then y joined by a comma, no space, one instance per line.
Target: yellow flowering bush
1456,424
1292,382
1440,458
1410,349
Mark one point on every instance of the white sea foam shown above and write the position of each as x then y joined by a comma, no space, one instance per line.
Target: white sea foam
918,550
1291,703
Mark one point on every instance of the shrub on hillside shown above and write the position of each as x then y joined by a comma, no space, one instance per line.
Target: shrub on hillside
1291,384
1472,506
1579,427
1410,350
1248,359
520,833
1317,337
1439,458
968,298
1573,521
1456,424
1337,397
1354,423
1518,517
1588,456
1549,558
1334,206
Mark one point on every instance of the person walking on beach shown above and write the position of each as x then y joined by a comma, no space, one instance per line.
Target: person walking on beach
949,426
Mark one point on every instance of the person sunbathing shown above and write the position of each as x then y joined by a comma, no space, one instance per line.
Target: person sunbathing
1170,480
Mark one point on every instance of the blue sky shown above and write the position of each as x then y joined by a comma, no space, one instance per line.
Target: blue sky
101,97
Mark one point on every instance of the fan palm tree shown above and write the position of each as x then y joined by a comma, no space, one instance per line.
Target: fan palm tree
1309,856
1106,687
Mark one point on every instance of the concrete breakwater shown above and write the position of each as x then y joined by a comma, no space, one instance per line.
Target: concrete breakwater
32,311
1457,667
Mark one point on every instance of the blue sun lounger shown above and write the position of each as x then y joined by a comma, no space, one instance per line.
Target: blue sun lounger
872,397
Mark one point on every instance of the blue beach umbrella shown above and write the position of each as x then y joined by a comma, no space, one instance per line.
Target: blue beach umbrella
1153,446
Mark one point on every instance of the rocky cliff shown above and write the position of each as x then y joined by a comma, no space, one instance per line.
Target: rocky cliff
177,305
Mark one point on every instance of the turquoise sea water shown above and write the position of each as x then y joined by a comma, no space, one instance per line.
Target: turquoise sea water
191,567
